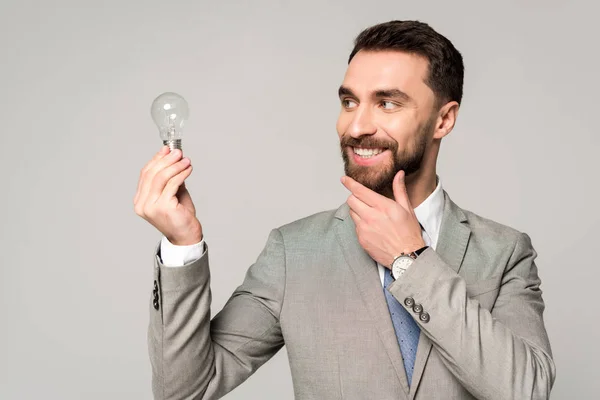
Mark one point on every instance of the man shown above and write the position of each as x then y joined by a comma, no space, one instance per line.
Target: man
397,294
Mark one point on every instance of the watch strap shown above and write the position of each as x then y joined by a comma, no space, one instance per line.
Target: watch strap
422,249
416,253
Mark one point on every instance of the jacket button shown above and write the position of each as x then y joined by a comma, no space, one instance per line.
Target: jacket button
155,303
417,308
424,317
409,302
155,293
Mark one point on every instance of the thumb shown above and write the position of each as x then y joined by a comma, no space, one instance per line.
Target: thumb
399,188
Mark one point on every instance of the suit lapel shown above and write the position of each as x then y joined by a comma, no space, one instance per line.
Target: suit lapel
364,269
451,246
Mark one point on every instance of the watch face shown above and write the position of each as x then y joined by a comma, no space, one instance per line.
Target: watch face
400,266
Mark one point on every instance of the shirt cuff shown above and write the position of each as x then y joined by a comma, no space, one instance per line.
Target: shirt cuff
177,256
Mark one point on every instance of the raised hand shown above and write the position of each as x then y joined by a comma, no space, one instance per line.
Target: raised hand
385,227
163,200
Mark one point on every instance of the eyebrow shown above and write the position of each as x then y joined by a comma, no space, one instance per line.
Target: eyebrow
388,93
393,93
344,91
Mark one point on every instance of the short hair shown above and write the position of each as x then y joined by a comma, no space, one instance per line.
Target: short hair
446,69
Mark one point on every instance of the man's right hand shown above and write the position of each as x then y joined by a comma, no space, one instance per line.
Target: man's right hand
163,200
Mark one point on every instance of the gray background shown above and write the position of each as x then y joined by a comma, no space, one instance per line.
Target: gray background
77,80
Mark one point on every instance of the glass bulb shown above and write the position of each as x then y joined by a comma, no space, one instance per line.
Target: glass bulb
169,112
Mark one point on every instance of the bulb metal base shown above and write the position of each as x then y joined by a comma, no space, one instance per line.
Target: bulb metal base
173,144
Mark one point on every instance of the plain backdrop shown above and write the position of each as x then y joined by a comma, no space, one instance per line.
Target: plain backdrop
76,83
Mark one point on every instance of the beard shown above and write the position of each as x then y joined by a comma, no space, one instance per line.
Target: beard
379,178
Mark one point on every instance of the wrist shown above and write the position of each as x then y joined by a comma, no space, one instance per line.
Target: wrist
415,247
187,240
408,249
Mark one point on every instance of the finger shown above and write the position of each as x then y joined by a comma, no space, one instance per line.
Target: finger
148,182
164,150
363,193
358,206
162,178
400,193
175,183
355,217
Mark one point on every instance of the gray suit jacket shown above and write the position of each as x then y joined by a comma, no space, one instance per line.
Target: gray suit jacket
314,289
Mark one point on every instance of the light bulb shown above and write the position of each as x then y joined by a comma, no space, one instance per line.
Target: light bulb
169,112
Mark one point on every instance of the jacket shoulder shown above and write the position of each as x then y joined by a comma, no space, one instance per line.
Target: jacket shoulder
487,229
311,226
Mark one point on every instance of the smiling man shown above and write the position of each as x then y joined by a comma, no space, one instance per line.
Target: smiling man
397,294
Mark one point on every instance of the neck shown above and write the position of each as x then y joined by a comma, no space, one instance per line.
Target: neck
419,186
422,183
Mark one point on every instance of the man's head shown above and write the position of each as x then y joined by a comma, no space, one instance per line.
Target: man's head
400,94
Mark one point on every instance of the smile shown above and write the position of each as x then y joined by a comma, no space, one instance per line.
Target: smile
364,156
367,153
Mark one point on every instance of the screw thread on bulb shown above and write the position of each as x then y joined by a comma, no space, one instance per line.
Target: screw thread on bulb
173,144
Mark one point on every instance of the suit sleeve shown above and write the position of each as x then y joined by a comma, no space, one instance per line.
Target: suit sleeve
194,357
502,354
175,256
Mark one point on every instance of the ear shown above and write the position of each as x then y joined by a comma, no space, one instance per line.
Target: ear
446,119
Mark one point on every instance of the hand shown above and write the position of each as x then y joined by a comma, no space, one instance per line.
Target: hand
385,227
163,200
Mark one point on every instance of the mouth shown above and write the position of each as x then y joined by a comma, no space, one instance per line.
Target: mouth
367,156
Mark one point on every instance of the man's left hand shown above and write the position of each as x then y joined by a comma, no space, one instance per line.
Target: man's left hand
384,227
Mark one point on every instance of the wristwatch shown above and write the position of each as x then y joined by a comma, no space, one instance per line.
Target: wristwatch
403,261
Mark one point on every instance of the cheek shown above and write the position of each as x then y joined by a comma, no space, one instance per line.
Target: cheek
342,123
401,128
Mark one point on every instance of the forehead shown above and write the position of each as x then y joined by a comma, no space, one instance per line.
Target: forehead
373,70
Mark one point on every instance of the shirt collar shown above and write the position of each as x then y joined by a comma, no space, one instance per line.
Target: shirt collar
430,211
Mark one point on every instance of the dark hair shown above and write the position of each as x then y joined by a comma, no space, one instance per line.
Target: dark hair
446,70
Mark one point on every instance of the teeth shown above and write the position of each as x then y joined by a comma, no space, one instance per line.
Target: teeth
367,152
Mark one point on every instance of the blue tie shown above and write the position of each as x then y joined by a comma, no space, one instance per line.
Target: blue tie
407,331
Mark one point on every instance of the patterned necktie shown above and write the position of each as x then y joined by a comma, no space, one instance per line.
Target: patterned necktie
407,330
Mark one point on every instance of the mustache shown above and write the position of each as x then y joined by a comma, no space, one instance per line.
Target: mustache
366,143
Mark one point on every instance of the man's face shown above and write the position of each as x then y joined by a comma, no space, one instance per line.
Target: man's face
386,106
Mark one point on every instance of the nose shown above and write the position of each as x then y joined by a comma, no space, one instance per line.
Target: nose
362,123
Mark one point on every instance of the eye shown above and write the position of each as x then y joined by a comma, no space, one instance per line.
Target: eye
388,105
348,103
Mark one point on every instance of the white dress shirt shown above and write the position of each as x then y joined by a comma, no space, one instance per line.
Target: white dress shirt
429,213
